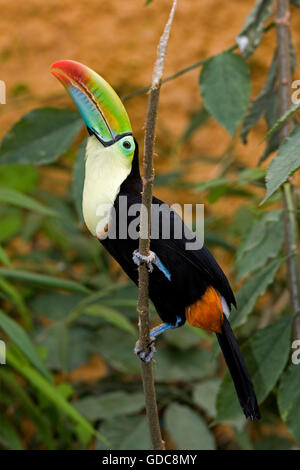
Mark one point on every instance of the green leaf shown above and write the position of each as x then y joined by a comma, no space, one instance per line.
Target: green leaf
10,224
17,299
175,365
83,428
22,398
125,433
40,136
112,316
251,290
4,258
249,175
183,338
21,178
214,183
110,405
253,29
116,347
262,243
225,87
18,199
43,280
9,436
266,354
282,119
78,180
262,102
286,162
21,339
289,399
187,429
205,395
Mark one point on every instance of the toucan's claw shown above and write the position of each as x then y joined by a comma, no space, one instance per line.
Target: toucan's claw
139,259
146,355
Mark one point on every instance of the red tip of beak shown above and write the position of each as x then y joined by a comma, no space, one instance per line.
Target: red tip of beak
67,70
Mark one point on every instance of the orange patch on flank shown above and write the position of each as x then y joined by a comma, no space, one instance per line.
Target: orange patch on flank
207,312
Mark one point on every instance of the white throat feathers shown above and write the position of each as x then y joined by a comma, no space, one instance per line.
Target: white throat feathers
105,170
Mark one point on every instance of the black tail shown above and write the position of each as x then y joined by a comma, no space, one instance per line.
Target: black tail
237,367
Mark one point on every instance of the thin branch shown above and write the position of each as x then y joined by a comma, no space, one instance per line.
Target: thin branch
144,242
290,222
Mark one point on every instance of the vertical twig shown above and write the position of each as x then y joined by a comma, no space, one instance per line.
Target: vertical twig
145,224
289,207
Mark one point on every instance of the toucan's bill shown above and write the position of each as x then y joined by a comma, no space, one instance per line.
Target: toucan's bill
101,108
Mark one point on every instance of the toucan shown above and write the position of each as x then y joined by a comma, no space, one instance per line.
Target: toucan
184,284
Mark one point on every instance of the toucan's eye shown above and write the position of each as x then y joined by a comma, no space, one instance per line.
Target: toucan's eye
126,144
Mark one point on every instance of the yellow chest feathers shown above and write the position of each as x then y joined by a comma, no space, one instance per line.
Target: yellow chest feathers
105,170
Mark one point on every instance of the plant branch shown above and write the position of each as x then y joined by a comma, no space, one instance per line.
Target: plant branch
145,225
290,222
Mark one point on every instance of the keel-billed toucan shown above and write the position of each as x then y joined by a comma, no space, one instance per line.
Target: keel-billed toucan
184,284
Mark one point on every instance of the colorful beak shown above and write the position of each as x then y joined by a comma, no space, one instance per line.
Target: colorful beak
97,102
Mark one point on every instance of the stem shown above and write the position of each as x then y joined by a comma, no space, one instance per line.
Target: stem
289,207
145,226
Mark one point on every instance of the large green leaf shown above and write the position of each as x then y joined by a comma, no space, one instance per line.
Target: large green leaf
40,136
21,339
18,199
253,29
187,429
261,244
225,87
116,347
205,395
286,162
251,290
125,433
289,399
266,354
110,405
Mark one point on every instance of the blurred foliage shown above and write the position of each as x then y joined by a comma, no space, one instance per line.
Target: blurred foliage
68,314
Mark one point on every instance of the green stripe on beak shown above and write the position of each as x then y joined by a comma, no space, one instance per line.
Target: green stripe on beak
98,103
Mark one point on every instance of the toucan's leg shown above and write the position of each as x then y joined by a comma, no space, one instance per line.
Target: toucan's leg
138,259
147,355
